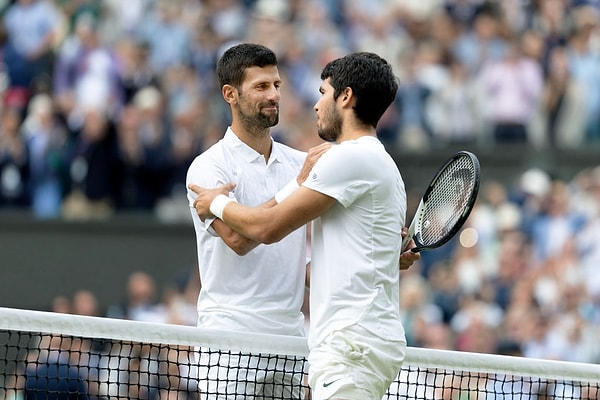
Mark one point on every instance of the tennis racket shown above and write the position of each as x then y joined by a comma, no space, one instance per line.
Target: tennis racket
446,203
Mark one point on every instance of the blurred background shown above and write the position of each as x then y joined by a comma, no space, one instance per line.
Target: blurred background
104,103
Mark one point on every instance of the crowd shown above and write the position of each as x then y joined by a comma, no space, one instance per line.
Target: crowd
106,102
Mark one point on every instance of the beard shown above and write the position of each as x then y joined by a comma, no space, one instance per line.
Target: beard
259,121
331,128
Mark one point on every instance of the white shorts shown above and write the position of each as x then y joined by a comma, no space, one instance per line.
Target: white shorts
242,376
354,364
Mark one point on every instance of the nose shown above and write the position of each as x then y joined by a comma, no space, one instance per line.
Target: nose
274,94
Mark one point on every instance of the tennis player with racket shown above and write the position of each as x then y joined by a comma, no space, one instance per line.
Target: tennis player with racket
356,199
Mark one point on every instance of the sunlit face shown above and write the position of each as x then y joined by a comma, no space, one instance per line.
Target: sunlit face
329,120
259,96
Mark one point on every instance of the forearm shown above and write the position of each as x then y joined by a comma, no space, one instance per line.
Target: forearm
237,242
257,224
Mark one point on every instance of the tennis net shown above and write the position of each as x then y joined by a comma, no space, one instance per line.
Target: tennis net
46,355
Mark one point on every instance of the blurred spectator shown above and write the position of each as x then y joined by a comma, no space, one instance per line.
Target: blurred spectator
135,72
476,326
561,118
61,304
552,19
85,303
14,163
141,302
414,130
155,145
180,298
511,87
269,24
93,168
481,42
120,19
316,31
32,29
554,229
186,114
131,156
72,9
85,74
416,308
168,39
47,145
454,109
203,56
444,290
584,63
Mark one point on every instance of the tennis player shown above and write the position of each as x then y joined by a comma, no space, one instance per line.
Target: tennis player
244,287
356,197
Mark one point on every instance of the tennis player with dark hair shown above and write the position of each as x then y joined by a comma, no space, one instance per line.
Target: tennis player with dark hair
356,200
247,287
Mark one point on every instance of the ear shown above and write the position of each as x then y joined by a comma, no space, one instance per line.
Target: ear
229,93
347,97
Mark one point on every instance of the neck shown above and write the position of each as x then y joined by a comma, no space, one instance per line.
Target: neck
354,133
259,141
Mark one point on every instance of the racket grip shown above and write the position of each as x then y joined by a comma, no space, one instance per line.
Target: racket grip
405,242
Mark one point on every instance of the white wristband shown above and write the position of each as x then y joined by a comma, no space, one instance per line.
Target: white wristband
286,191
218,205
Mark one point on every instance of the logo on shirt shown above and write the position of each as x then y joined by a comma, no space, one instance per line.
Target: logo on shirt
327,384
314,176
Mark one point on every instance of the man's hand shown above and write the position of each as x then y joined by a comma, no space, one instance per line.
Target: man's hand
311,158
407,257
206,196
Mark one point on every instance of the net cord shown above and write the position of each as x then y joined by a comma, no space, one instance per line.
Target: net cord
146,332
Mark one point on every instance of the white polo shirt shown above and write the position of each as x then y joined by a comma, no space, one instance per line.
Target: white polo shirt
262,291
355,245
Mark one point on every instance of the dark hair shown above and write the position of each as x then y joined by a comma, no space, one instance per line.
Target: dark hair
371,79
231,67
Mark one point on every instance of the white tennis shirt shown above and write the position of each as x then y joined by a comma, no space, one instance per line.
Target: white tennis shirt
262,291
355,245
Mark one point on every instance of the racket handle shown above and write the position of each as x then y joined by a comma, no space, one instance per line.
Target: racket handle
405,242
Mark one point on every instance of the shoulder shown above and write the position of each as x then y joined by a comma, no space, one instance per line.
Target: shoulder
208,161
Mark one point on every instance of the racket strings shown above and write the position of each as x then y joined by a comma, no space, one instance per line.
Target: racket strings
448,200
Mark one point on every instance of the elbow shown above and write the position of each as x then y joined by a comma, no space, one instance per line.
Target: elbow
241,251
267,236
242,246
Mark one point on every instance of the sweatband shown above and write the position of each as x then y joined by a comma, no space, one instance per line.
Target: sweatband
286,191
218,205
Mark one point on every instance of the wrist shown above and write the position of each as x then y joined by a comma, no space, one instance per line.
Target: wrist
218,205
288,189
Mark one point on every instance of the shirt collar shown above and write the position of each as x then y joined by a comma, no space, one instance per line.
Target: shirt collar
246,152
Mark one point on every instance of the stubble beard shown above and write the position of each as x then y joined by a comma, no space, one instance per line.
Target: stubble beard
330,131
259,122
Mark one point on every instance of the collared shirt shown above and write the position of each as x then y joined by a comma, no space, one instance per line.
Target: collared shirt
262,291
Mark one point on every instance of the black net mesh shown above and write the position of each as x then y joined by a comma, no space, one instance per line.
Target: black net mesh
59,356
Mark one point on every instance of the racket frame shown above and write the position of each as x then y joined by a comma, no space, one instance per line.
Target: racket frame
422,203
